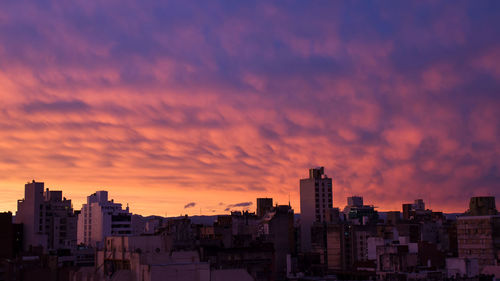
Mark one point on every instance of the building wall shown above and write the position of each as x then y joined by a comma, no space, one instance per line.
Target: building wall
333,247
479,238
282,235
230,274
144,258
100,218
462,266
185,272
361,245
264,205
28,213
315,203
6,235
48,218
372,244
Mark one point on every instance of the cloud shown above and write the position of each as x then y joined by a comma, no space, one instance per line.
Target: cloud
56,106
242,204
189,205
224,103
236,205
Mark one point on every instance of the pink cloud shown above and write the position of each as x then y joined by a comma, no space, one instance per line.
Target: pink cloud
216,102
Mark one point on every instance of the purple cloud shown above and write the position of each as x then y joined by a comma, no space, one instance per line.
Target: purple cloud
397,100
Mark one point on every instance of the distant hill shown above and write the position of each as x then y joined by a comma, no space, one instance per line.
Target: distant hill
209,220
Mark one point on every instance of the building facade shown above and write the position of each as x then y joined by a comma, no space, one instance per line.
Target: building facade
478,232
264,205
11,237
100,218
48,219
316,201
479,238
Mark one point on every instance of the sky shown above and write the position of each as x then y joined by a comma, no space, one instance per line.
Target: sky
199,107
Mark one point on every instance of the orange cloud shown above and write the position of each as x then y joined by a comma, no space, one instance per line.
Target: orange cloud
209,103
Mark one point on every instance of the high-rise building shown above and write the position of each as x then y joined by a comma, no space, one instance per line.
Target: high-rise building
478,232
315,203
100,218
48,218
264,205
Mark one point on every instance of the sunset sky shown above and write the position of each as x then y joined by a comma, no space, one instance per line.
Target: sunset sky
182,107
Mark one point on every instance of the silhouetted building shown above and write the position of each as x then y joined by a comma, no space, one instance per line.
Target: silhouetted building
394,260
145,258
179,234
315,203
334,246
355,201
358,213
429,255
462,267
479,238
482,206
478,232
407,211
244,228
277,227
393,217
264,205
11,235
257,259
419,205
48,218
347,247
417,212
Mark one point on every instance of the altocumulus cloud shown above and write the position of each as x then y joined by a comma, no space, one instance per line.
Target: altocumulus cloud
378,94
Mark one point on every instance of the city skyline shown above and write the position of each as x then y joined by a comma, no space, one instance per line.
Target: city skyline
249,206
180,107
106,241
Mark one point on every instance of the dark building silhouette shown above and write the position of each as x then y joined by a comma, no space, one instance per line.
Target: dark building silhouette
478,232
482,206
264,205
315,203
47,217
11,235
278,229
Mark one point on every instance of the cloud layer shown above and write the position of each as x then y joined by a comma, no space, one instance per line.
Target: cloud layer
165,102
